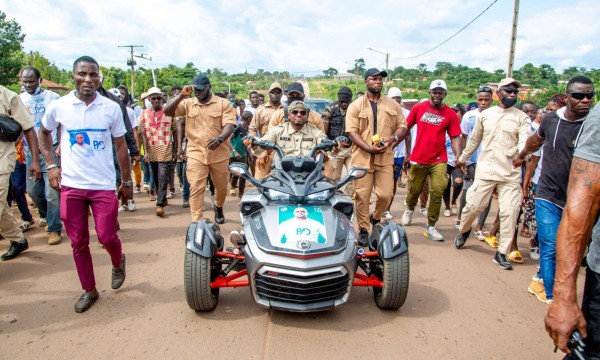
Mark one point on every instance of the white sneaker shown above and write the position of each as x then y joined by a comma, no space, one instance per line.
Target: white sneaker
423,211
447,213
388,215
407,217
480,235
170,195
433,234
122,208
131,205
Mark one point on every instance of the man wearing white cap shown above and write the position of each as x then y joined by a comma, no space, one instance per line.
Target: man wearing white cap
429,156
156,130
502,131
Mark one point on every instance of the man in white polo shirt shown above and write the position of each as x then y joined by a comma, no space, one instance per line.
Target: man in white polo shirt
88,123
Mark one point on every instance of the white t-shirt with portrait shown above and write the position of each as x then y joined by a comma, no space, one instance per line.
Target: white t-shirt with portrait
36,105
86,135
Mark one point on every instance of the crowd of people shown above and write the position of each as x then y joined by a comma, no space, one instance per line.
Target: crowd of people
93,149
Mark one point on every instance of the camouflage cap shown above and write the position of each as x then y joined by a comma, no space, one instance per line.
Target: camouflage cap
297,105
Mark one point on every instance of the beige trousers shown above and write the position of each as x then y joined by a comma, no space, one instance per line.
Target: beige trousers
8,224
509,203
382,178
197,175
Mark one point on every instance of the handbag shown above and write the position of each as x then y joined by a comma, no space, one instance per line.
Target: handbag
9,129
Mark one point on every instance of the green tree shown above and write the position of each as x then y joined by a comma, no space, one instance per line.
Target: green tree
359,65
11,45
331,72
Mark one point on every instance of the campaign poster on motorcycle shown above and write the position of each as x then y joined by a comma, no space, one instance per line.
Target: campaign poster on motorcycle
301,226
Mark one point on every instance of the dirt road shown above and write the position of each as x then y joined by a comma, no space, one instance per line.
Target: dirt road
460,305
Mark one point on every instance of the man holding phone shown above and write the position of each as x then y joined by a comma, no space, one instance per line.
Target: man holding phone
208,121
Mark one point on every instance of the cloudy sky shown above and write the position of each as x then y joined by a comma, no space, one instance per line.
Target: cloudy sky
308,36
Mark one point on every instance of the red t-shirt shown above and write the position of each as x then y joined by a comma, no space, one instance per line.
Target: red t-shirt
432,125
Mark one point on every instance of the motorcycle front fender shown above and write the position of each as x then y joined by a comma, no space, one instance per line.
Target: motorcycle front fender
203,238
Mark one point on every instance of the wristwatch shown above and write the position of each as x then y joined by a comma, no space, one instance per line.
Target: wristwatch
221,139
127,183
395,138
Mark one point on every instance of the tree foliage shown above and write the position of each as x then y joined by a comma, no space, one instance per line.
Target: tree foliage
11,44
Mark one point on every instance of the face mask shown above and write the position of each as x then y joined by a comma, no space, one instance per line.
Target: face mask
148,104
509,102
291,99
39,88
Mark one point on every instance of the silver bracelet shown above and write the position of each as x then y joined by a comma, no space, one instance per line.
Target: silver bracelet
51,166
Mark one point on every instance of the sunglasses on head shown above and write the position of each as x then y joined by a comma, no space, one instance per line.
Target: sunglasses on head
296,112
581,95
486,89
511,91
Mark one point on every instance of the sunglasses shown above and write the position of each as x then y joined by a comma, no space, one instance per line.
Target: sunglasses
275,92
155,98
581,95
510,91
301,112
486,89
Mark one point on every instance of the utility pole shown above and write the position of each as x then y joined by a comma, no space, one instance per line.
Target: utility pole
513,40
142,56
131,62
355,77
387,63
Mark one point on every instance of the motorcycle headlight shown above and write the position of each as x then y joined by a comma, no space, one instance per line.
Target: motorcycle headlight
275,195
320,196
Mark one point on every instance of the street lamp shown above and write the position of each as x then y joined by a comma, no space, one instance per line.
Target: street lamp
228,87
387,59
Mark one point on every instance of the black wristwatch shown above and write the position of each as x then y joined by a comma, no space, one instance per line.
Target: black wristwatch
221,139
127,183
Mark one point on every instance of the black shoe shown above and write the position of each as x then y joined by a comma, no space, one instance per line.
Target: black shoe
219,217
15,249
186,203
363,237
461,239
500,259
118,274
373,221
86,300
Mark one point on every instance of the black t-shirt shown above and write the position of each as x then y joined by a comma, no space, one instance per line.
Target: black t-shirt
560,137
374,109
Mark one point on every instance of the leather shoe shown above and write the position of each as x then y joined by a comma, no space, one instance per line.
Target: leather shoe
15,249
461,239
373,221
363,237
118,274
219,217
86,300
500,259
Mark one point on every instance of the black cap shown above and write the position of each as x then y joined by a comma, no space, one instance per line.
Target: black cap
375,72
200,82
295,87
345,94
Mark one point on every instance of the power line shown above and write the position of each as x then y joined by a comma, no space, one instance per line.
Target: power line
450,38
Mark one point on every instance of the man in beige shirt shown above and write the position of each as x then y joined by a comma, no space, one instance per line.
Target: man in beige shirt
260,122
502,131
374,114
295,92
295,137
209,120
11,105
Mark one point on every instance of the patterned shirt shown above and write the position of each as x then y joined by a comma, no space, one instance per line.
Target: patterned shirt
159,130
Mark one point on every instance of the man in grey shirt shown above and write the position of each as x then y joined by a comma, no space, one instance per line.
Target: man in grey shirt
579,221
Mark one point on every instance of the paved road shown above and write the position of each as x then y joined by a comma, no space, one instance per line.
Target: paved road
460,305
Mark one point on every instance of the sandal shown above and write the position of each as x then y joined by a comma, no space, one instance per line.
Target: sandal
491,241
515,257
232,192
525,234
480,236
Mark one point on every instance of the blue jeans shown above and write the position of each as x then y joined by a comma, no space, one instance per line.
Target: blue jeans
147,171
548,218
44,196
18,183
186,184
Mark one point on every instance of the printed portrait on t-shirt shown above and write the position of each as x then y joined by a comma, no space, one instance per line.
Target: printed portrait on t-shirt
80,145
